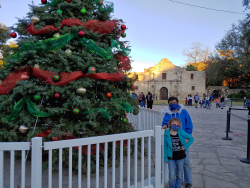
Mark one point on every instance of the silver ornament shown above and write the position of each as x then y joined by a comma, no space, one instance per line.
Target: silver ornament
36,66
35,19
23,129
57,35
11,52
81,91
68,52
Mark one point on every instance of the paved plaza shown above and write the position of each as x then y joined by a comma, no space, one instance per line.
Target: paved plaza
215,162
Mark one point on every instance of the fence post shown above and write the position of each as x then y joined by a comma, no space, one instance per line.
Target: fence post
227,138
36,162
247,160
162,116
158,156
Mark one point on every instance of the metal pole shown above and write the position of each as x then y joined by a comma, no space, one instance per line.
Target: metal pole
247,160
227,138
229,120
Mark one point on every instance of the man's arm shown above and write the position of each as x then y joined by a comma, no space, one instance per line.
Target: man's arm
189,124
165,120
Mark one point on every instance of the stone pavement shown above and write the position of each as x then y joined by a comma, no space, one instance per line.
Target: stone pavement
215,162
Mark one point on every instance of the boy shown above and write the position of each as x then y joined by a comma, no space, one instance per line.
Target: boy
196,99
177,110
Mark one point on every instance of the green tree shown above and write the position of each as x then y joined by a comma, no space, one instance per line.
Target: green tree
4,35
233,70
77,108
191,67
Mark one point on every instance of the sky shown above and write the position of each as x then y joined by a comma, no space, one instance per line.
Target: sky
158,29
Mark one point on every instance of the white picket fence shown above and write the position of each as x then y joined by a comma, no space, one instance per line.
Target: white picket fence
146,120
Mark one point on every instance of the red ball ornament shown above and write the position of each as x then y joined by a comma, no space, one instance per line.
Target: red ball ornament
13,35
57,95
68,1
123,46
44,1
100,2
109,95
55,138
123,27
48,131
81,34
133,87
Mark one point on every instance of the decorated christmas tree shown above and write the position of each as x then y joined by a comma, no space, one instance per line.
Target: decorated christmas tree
66,79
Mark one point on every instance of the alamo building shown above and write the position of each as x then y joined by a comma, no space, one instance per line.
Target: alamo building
166,80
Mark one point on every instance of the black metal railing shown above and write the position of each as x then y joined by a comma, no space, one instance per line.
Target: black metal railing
229,113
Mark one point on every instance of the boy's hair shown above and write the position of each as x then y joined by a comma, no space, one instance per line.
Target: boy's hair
173,98
172,120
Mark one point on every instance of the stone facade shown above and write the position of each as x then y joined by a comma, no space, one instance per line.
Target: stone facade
224,90
165,80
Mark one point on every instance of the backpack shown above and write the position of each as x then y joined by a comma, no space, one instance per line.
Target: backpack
210,97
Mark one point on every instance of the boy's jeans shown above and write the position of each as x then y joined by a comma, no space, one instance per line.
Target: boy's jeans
143,103
175,172
187,168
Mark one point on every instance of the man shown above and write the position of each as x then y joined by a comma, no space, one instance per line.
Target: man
210,99
196,100
177,110
222,102
149,100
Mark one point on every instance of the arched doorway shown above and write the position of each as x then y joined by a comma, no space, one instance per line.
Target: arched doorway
163,93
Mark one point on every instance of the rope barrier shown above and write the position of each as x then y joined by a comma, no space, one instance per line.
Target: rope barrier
238,116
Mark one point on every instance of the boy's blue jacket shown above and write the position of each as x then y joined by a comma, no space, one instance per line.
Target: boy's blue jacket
182,115
168,148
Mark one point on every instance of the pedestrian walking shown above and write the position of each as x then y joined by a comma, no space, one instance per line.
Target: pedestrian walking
248,106
174,151
196,100
143,101
190,100
210,100
177,110
222,99
207,102
149,100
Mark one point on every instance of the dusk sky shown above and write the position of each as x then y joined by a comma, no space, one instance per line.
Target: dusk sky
158,29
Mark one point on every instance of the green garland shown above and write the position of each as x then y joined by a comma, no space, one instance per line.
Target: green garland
32,109
118,46
52,44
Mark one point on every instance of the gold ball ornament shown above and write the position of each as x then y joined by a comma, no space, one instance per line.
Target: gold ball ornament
68,52
81,91
57,35
1,81
23,129
36,66
35,19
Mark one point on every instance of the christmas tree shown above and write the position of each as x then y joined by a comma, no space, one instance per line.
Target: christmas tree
66,79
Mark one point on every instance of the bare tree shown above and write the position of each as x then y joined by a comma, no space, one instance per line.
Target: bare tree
196,53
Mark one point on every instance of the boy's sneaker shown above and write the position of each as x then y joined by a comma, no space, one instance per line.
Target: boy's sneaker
188,185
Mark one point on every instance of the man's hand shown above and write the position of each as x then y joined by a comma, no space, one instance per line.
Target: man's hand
164,127
166,162
183,148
